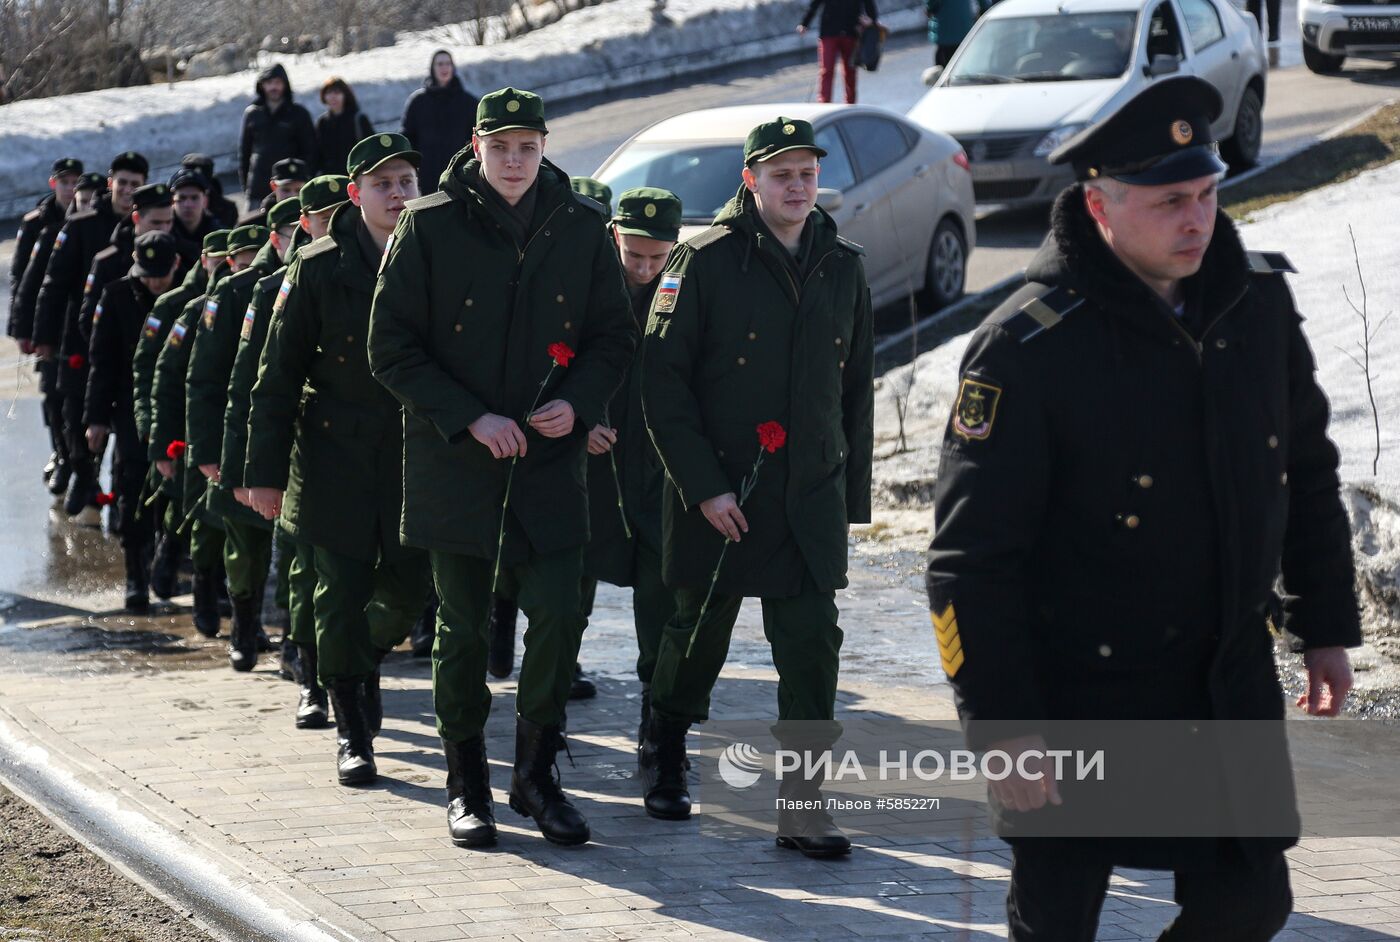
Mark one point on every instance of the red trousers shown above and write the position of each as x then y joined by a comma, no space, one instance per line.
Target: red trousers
829,49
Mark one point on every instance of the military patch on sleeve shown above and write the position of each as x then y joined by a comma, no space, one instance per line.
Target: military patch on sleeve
152,326
211,313
975,409
282,293
87,282
96,315
246,331
950,650
384,256
177,335
667,292
62,238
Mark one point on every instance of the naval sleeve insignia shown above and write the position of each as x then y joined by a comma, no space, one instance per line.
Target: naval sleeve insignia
975,409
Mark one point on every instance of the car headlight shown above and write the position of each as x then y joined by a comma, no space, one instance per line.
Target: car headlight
1057,137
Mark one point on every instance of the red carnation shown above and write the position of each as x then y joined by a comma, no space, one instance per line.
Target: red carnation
772,436
561,353
77,361
104,500
175,450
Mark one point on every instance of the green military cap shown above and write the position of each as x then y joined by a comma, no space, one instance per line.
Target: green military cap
66,165
374,150
285,213
510,109
649,211
246,237
772,138
323,193
215,244
593,189
152,196
92,181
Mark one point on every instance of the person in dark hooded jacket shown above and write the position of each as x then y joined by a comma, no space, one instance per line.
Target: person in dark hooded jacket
274,127
342,126
437,119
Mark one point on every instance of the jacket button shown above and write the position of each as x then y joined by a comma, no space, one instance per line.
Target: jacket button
559,298
1144,481
326,424
568,325
742,361
349,339
838,341
721,452
1105,651
458,328
753,336
1220,343
1273,441
546,232
469,302
1283,478
1130,521
341,359
841,364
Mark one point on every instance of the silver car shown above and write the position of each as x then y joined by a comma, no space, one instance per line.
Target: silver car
1032,73
1335,29
899,190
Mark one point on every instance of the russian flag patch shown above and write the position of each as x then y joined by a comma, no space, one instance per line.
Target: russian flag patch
152,326
668,291
249,316
177,335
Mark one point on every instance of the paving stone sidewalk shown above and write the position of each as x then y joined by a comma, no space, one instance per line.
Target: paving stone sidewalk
213,758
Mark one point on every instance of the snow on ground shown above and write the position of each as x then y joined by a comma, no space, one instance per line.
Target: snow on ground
1313,231
595,49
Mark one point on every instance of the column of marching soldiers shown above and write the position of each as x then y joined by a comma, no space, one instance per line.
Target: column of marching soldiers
445,403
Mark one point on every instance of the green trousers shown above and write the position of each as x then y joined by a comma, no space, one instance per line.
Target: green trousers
801,630
653,605
285,552
206,546
301,584
363,610
548,590
247,554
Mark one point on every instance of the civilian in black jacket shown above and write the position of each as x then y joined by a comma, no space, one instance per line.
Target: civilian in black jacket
437,119
842,21
342,126
274,128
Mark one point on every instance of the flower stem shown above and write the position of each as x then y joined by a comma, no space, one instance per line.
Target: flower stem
617,482
510,476
745,489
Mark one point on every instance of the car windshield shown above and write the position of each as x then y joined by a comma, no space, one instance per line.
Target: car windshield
1067,47
704,176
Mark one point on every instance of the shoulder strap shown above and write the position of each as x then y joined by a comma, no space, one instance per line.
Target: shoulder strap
320,247
1269,263
1044,308
709,237
440,198
854,247
591,203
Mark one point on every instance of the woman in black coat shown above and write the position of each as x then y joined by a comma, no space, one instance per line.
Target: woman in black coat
438,119
341,127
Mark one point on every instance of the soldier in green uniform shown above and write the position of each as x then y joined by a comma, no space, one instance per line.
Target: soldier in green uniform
247,536
285,235
594,189
326,445
169,545
313,205
481,280
764,317
625,476
183,484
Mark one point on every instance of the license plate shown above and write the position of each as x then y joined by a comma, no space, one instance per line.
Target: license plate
991,171
1374,24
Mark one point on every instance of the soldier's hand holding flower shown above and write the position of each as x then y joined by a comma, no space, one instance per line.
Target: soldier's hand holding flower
725,516
96,437
601,440
165,468
500,434
553,419
210,471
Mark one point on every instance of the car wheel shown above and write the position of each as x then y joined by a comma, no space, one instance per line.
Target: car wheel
947,266
1320,62
1241,151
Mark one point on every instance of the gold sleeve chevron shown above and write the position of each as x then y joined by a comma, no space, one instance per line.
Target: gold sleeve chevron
945,628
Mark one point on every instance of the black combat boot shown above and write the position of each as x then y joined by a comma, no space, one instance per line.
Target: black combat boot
311,705
206,603
471,820
355,747
287,656
243,638
646,715
500,656
82,491
58,481
374,700
165,566
813,832
425,631
534,785
582,687
138,596
661,768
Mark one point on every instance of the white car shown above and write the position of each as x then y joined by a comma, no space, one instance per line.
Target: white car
1032,73
902,192
1333,31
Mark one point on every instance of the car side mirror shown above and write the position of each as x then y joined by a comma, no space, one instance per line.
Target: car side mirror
1163,65
931,74
830,200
